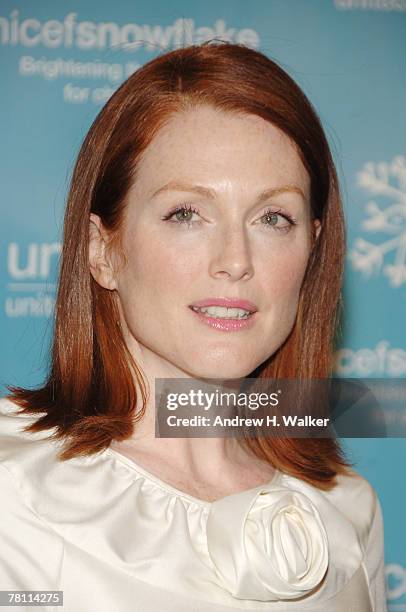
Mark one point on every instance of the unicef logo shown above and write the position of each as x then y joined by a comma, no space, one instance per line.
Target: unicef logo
381,360
396,585
386,218
31,269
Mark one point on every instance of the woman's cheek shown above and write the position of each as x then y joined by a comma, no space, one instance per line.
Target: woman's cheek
285,277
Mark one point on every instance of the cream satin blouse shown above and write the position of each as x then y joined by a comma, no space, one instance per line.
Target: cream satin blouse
115,538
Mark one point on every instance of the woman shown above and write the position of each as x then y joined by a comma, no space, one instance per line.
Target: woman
205,184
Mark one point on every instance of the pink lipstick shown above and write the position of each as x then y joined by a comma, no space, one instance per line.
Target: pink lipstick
223,323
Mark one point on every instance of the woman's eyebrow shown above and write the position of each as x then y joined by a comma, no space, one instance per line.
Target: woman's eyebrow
210,193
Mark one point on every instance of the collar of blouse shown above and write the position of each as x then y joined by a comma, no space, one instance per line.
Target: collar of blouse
283,541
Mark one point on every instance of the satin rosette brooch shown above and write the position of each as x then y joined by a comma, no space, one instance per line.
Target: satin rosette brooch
267,544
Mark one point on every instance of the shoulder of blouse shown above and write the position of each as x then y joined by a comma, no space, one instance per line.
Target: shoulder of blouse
339,521
353,495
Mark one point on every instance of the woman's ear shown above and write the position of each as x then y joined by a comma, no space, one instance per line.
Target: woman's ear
316,230
100,265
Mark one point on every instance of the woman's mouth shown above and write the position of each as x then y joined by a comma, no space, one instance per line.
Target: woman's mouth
223,318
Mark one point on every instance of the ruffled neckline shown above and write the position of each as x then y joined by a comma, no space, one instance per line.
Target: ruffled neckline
270,543
165,486
274,542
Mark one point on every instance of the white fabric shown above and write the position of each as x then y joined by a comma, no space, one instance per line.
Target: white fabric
113,537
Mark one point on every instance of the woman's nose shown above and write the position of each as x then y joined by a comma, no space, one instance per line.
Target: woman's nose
231,255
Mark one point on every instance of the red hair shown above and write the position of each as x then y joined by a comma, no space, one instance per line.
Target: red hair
94,384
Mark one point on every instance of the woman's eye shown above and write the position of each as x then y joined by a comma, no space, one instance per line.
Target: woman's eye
183,214
276,221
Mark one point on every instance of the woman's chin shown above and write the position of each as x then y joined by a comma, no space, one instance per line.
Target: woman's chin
221,372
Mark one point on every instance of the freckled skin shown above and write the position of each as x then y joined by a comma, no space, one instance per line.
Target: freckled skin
228,250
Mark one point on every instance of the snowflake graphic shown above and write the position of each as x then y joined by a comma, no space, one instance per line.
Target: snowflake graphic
390,219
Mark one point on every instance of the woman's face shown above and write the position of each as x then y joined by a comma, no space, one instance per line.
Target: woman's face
228,239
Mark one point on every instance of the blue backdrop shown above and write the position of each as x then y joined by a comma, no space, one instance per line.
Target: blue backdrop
60,62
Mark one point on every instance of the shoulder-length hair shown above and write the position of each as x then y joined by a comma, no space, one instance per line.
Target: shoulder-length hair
94,385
